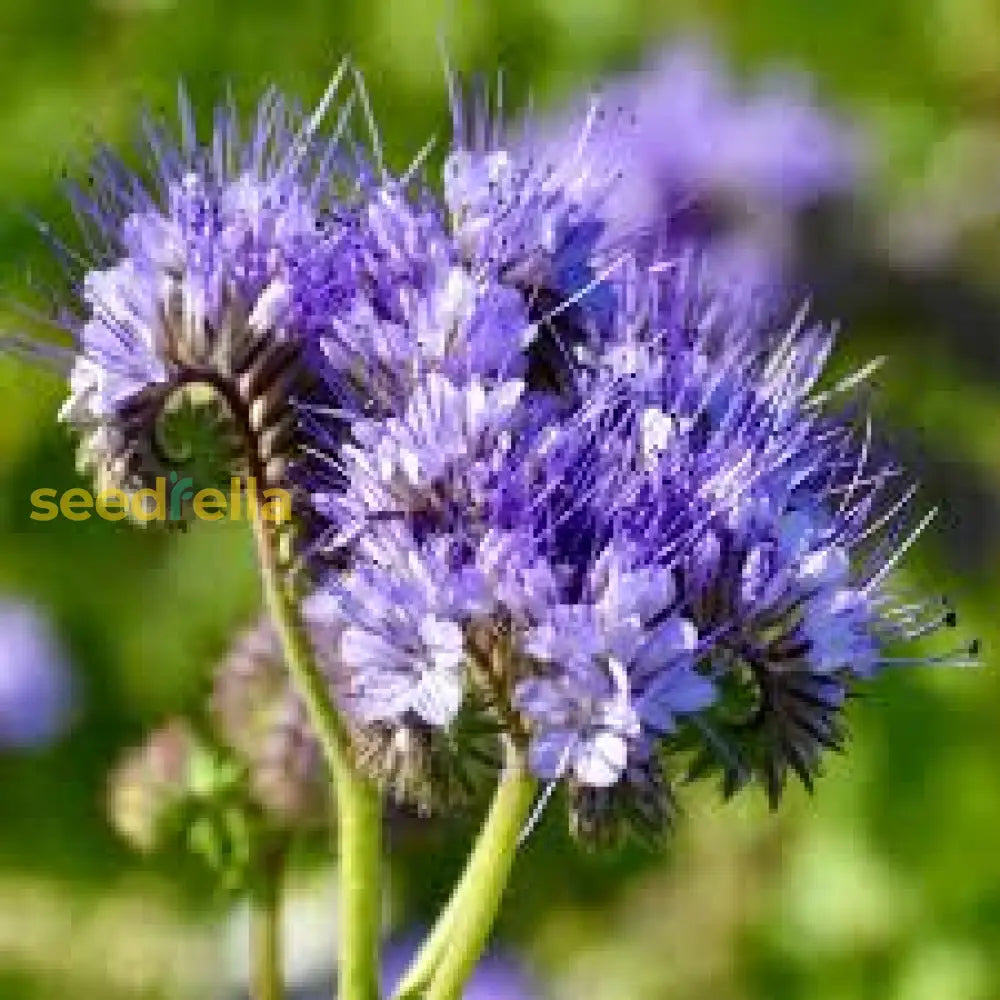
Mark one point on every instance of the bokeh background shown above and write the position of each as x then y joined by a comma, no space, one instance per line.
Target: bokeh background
884,885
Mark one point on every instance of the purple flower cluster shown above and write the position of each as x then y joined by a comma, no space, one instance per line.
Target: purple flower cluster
189,308
556,493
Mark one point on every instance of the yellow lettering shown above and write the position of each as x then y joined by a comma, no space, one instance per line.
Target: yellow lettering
112,504
150,504
235,507
209,505
76,504
277,506
44,508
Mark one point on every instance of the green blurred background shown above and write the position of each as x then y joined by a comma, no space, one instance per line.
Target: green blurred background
885,885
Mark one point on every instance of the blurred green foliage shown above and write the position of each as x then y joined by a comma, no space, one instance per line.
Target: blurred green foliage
886,885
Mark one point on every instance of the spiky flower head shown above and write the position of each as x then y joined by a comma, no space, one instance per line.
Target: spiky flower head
186,308
610,578
789,565
560,495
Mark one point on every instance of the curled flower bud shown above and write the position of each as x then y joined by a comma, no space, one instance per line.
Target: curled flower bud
257,714
641,805
150,787
429,768
188,320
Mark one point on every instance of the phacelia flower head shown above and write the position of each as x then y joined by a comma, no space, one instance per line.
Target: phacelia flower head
604,663
605,575
403,650
535,221
804,593
788,526
186,310
567,489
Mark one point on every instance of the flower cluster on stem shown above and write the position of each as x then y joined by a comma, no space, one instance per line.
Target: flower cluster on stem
573,510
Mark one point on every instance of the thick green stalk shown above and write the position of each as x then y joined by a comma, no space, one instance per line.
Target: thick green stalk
454,947
359,816
266,967
359,832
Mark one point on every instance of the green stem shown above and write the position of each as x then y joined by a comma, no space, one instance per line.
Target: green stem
456,943
309,681
424,965
359,826
266,977
359,816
